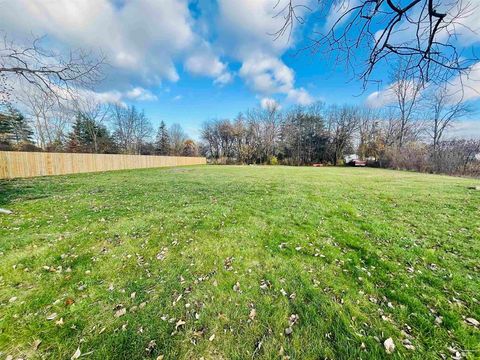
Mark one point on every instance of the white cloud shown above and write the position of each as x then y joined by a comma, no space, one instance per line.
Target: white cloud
335,12
140,94
388,96
225,78
110,97
206,63
300,96
119,97
469,129
381,98
466,87
142,39
247,26
246,32
269,103
267,75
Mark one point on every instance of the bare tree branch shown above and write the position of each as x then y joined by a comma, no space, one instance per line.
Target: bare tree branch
422,30
52,74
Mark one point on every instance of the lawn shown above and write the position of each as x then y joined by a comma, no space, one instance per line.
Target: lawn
240,262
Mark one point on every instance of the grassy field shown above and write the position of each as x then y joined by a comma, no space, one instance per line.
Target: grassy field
238,263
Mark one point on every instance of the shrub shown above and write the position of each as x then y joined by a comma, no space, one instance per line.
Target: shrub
272,160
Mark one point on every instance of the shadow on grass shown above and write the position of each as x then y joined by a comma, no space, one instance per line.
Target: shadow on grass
12,190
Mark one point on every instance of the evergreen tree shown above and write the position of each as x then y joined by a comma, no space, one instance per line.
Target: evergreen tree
162,143
21,130
14,129
90,137
5,128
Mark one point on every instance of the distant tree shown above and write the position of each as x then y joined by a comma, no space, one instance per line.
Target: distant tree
369,133
21,130
131,129
50,118
89,137
95,115
342,126
302,137
211,139
5,132
162,142
189,148
443,108
177,139
15,132
455,156
407,92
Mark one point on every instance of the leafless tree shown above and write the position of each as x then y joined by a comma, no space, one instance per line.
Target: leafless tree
407,91
131,129
265,124
242,139
459,156
342,125
444,108
49,118
369,132
423,30
177,139
50,73
210,136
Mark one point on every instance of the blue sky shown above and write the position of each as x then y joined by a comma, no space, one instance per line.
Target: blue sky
188,61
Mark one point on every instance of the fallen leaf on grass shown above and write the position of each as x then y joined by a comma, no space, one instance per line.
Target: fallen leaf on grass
265,284
36,344
52,316
179,323
252,315
76,354
389,346
69,301
472,321
293,319
120,312
151,346
227,263
59,322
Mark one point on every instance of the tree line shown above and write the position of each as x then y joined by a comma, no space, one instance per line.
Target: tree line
92,127
406,136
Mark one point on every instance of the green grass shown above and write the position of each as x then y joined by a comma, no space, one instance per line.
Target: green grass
368,254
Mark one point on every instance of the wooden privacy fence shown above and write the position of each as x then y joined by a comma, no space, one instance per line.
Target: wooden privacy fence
27,164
